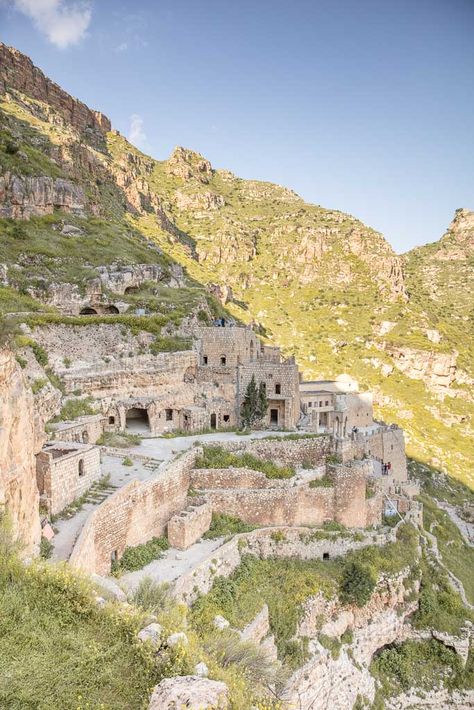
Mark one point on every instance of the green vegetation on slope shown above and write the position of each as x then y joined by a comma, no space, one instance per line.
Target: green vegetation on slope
284,584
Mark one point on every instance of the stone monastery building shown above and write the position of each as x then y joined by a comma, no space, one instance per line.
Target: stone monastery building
362,461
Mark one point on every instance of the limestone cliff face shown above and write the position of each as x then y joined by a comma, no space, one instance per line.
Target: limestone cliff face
17,71
18,490
23,197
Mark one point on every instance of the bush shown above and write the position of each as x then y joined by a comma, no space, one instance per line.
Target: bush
134,558
40,354
152,597
127,461
46,548
217,457
74,408
224,525
119,440
323,482
357,584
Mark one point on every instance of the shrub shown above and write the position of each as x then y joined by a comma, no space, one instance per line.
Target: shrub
74,408
119,440
152,597
224,525
217,457
46,548
278,536
37,385
127,461
357,584
134,558
323,482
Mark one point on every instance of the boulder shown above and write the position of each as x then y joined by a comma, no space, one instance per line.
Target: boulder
176,639
190,692
151,633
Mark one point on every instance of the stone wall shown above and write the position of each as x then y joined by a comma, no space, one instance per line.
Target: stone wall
284,451
133,515
18,445
86,429
65,471
282,385
209,478
298,505
188,526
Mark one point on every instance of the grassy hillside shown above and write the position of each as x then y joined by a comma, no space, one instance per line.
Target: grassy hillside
320,283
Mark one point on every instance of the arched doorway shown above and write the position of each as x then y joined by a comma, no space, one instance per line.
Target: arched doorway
88,311
111,309
137,419
213,420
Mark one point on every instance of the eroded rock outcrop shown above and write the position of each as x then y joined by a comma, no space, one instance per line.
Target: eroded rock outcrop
18,490
24,197
17,71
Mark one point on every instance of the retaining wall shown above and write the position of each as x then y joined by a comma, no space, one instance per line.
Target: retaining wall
133,515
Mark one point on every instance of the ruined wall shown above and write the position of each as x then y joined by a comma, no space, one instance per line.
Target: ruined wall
231,478
388,445
350,504
86,429
359,409
69,475
18,490
134,514
276,506
284,451
188,526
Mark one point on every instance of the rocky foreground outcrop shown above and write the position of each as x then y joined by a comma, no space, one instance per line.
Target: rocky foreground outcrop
18,490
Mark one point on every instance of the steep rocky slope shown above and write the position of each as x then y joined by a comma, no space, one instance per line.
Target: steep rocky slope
76,196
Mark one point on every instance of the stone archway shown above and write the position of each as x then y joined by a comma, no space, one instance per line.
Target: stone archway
136,419
88,311
112,310
213,420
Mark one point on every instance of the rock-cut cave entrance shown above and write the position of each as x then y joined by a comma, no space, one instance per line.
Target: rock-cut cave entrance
88,311
137,420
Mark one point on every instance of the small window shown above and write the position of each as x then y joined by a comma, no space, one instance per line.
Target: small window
278,389
226,417
169,415
326,404
310,404
114,556
223,359
111,420
80,468
391,447
270,376
204,359
325,555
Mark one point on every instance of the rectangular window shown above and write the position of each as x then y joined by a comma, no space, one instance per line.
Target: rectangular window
204,359
326,404
169,415
278,389
310,404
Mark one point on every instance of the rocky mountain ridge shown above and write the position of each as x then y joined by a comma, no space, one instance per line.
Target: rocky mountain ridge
316,281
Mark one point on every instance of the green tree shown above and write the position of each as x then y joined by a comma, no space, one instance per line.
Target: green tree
255,403
262,403
357,584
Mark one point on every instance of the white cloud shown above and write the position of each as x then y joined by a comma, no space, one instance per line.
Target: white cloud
64,23
122,47
136,134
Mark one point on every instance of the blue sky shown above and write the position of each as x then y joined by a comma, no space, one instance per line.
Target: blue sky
366,106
